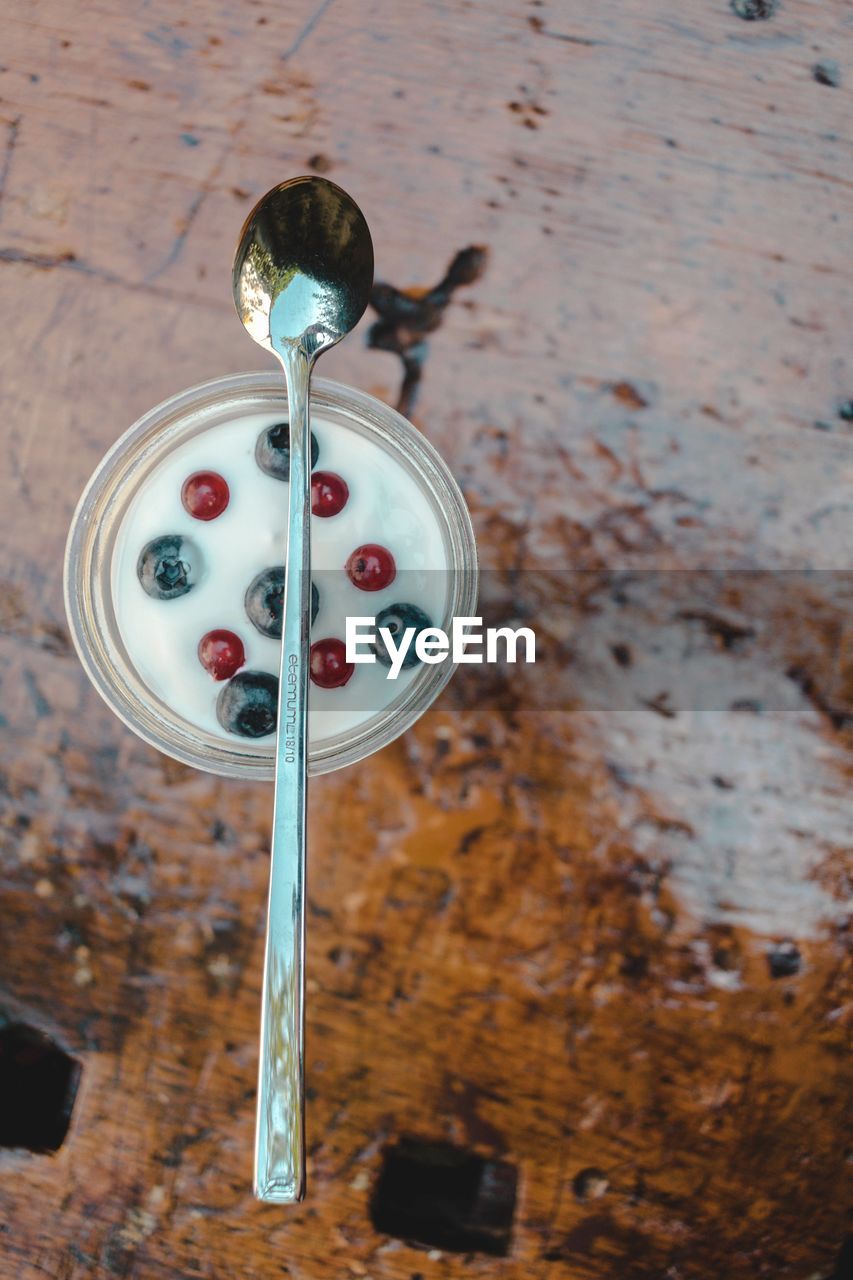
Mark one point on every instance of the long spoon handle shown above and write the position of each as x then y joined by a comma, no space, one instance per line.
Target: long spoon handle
280,1134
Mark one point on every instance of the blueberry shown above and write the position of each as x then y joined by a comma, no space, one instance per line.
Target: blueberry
272,451
264,601
248,704
169,566
396,618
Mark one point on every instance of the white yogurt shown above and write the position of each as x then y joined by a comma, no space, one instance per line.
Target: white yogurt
385,506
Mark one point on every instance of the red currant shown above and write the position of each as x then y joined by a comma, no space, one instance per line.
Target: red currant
329,666
371,567
329,493
205,495
221,653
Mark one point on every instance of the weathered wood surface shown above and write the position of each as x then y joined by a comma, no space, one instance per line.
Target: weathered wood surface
547,938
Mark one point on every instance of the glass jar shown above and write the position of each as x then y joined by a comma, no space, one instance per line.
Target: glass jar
117,480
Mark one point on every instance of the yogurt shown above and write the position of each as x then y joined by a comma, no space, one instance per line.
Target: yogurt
384,507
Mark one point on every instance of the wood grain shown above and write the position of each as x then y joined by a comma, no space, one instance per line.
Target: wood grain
547,937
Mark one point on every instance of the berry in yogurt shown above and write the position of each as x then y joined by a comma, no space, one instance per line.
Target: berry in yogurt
329,494
205,495
272,451
221,653
329,666
371,567
248,704
168,566
264,601
396,619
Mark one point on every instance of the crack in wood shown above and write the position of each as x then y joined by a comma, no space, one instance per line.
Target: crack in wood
5,166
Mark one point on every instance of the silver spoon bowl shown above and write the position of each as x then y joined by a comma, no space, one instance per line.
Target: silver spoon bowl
303,269
302,278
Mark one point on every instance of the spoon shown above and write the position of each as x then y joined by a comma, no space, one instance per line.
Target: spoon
302,278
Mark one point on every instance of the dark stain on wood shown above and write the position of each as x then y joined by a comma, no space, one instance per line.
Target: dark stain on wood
827,72
38,1086
725,630
844,1262
840,717
436,1194
784,959
407,316
754,10
590,1184
626,393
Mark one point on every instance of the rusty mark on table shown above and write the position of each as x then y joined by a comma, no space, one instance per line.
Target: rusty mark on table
629,395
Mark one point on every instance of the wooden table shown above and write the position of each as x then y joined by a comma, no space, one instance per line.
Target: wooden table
598,948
